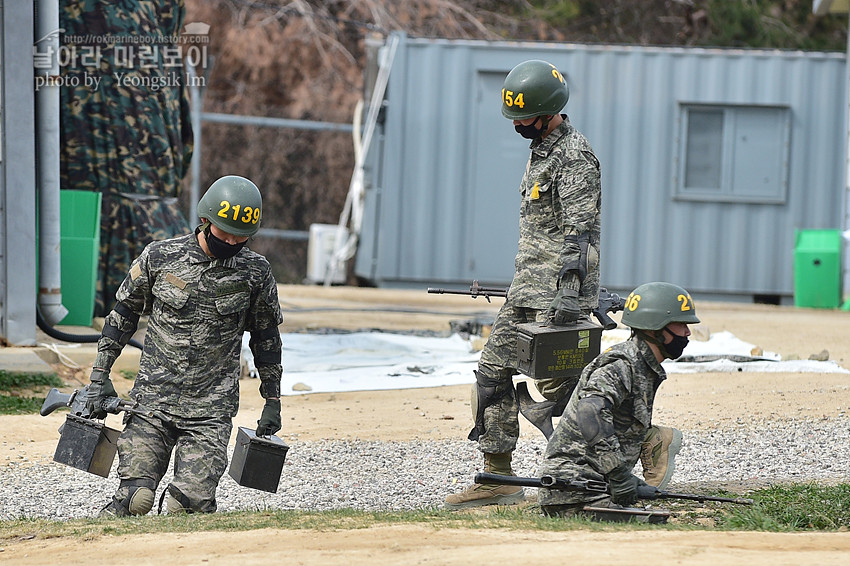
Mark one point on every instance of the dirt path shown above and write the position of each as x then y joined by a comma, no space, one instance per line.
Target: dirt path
406,544
693,401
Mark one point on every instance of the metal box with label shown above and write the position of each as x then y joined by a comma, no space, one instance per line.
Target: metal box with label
257,460
545,351
87,445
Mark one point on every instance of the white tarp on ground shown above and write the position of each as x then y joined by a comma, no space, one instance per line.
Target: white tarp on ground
363,361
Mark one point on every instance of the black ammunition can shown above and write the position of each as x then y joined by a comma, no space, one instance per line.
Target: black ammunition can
87,445
556,351
257,460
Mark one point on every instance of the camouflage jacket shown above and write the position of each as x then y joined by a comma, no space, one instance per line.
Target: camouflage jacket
561,196
628,376
199,308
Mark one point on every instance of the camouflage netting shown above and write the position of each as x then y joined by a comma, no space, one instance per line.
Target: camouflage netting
123,138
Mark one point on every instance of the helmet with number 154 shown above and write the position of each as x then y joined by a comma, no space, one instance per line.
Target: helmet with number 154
533,88
652,306
233,204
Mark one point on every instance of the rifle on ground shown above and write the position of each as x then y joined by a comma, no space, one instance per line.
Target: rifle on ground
76,401
647,492
608,302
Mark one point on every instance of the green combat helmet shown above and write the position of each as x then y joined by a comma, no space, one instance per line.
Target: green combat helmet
233,204
652,306
533,88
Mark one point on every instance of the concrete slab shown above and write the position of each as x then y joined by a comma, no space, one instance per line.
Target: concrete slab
22,360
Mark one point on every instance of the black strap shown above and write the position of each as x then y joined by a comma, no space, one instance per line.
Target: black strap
126,312
139,482
580,265
115,333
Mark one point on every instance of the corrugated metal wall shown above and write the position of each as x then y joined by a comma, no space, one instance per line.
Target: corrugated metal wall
443,204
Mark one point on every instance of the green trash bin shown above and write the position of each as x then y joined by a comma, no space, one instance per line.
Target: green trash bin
817,268
80,251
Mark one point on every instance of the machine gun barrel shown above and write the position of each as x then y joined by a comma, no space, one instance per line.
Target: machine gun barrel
591,486
475,290
608,302
649,492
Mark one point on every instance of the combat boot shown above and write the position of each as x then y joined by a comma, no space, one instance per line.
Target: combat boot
658,455
479,494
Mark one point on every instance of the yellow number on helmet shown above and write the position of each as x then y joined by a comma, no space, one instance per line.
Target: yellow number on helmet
248,215
632,302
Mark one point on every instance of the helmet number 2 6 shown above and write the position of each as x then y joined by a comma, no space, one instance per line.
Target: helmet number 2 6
250,214
633,300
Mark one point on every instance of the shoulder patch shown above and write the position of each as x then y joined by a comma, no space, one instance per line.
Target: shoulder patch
135,271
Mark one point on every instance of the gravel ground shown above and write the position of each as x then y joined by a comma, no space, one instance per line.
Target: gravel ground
324,475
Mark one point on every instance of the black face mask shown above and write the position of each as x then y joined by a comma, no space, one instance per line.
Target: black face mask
219,248
531,131
676,346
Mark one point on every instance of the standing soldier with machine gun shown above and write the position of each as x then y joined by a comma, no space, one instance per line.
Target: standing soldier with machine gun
556,278
557,265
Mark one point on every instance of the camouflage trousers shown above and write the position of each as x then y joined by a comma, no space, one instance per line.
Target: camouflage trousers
499,361
200,455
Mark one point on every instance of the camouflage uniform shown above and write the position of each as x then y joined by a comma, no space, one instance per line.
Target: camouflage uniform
561,197
125,139
628,375
198,310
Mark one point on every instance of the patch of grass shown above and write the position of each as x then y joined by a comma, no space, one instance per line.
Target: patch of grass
127,374
23,390
10,405
787,508
801,507
795,507
9,381
341,519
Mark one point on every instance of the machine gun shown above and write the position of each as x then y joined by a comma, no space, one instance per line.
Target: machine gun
608,302
475,290
647,492
85,443
76,401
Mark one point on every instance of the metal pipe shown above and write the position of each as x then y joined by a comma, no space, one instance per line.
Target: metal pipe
271,122
845,294
47,157
197,96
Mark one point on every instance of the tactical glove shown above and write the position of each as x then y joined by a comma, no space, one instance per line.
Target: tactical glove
269,422
98,391
565,308
624,485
